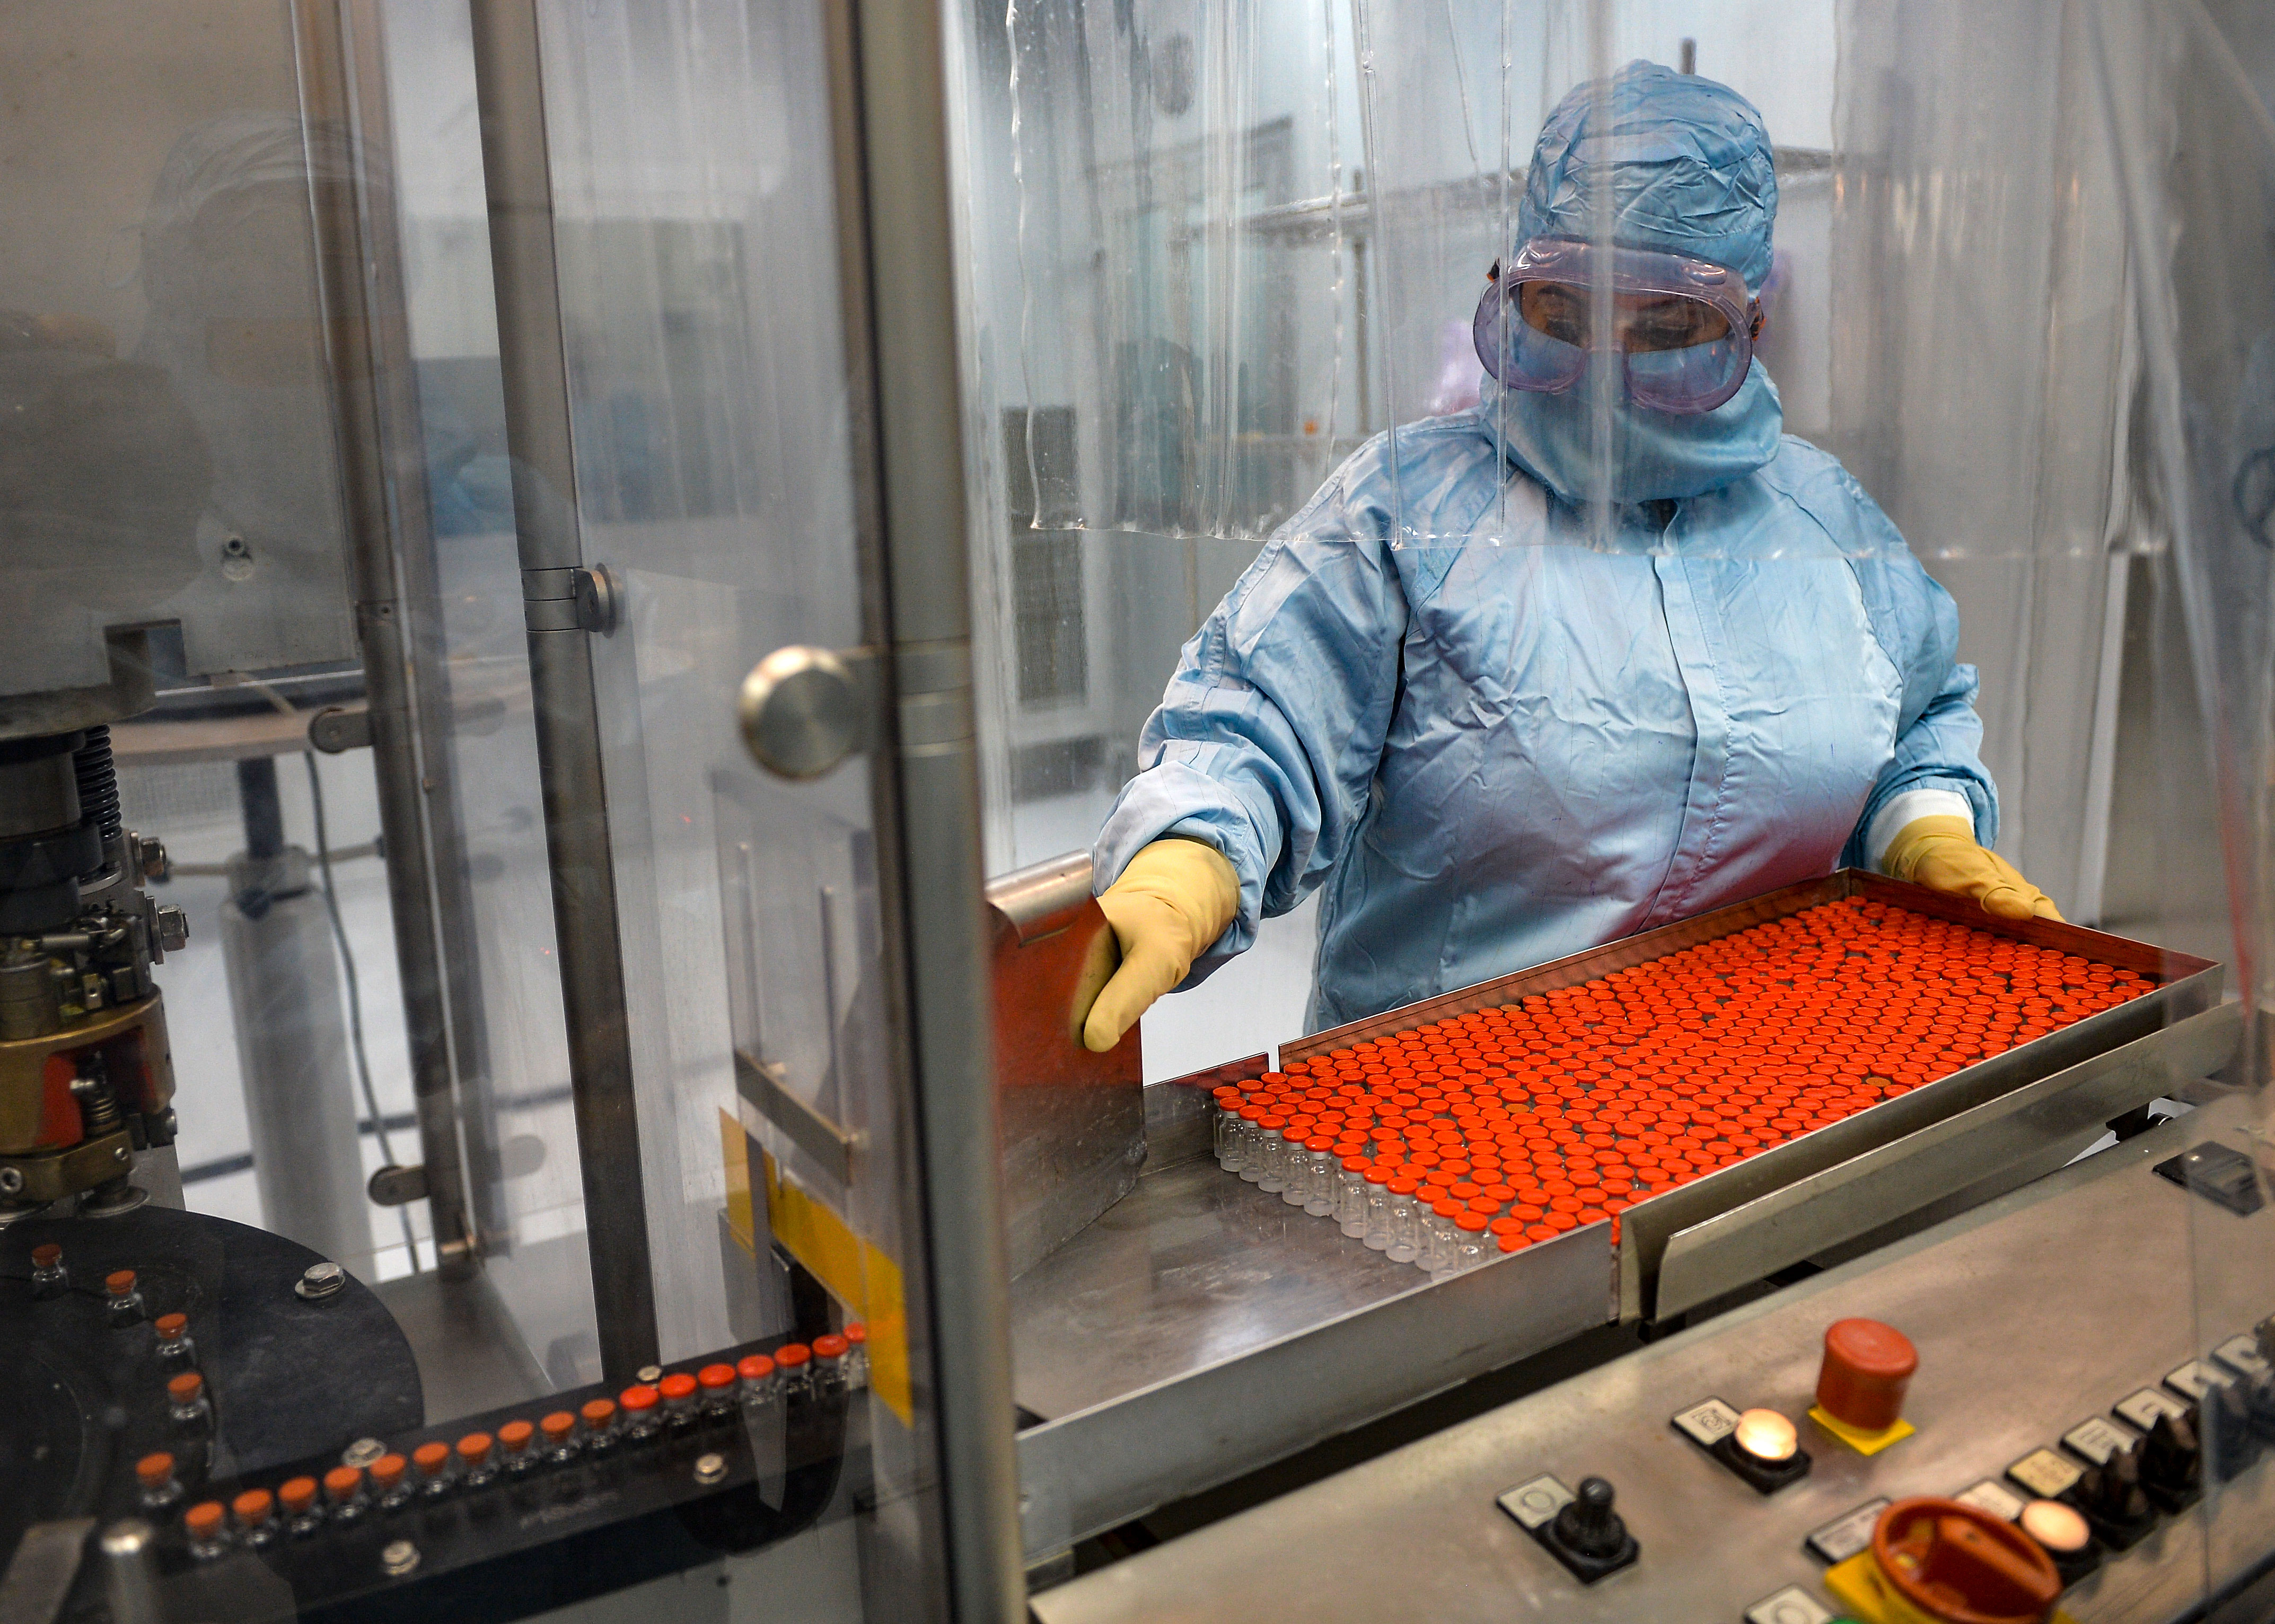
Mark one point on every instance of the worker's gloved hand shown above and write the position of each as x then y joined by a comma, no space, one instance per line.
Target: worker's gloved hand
1940,853
1174,899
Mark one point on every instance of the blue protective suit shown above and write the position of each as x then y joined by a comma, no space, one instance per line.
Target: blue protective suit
1519,738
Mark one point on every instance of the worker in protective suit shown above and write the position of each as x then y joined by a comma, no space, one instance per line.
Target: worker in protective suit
1519,680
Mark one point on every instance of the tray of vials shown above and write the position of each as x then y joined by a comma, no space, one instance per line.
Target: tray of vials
1492,1120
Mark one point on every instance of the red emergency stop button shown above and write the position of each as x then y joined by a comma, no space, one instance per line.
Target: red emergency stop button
1867,1367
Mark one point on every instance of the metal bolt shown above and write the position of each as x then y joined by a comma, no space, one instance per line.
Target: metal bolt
398,1559
710,1469
173,929
650,1373
11,1181
150,856
321,1280
122,1154
362,1453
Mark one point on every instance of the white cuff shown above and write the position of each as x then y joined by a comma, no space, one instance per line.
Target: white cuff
1911,804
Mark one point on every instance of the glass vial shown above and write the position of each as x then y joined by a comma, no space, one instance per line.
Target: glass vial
829,1364
254,1514
515,1458
1405,1222
1272,1172
206,1525
391,1488
154,1481
122,1304
1322,1171
50,1278
1378,1208
175,1351
792,1369
714,1386
755,1375
857,1355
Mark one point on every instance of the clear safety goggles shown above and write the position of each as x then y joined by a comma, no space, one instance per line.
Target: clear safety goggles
1683,329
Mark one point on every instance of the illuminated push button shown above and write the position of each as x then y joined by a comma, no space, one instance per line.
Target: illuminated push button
1867,1368
1766,1436
2059,1527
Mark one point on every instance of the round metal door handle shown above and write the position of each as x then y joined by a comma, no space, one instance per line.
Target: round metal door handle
803,712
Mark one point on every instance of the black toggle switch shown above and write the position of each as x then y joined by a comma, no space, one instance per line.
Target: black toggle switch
2172,1461
2112,1500
2225,1430
1588,1536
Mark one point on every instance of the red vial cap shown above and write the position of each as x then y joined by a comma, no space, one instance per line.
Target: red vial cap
430,1457
387,1470
185,1388
297,1494
831,1347
678,1385
789,1355
170,1327
119,1282
638,1400
203,1520
1867,1368
475,1448
514,1436
559,1425
152,1471
342,1482
715,1378
855,1332
754,1367
47,1254
252,1508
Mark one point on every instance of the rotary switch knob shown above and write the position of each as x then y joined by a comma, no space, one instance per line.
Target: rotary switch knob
1868,1367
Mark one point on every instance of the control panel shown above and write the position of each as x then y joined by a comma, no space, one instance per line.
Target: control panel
2013,1416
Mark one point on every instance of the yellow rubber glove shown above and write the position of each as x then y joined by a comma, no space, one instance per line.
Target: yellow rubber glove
1174,900
1940,853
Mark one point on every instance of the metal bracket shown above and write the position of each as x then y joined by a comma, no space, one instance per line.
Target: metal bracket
761,1082
394,1186
804,709
337,729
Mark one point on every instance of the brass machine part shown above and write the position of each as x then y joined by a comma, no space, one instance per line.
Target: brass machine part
131,1040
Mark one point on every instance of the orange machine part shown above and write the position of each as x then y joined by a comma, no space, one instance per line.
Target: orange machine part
60,1127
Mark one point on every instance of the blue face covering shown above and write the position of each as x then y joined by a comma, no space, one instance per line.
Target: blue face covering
1655,455
1689,172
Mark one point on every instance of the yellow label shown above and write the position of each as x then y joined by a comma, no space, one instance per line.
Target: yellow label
1860,1587
735,1151
1858,1440
859,1275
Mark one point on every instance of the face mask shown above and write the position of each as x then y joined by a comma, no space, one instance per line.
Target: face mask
1655,455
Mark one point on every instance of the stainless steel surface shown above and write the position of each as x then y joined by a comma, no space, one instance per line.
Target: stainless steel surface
39,1574
1203,1328
803,710
39,792
889,126
2029,1315
831,1146
510,92
2188,984
1997,1146
1073,1121
471,1356
383,499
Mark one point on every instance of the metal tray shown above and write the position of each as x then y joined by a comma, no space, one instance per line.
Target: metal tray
1647,1290
1201,1328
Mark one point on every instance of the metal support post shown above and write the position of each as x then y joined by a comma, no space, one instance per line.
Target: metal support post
510,92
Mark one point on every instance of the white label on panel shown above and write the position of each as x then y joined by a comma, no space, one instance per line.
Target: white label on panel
2096,1441
2240,1353
2142,1408
2043,1473
1844,1537
1707,1423
2196,1378
1790,1605
1533,1503
1995,1498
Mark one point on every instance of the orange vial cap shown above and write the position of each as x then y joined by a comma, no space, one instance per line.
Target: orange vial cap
715,1378
431,1457
789,1355
47,1254
638,1400
514,1435
185,1388
297,1494
387,1471
170,1327
152,1471
598,1413
558,1425
252,1508
203,1520
678,1385
342,1482
754,1367
119,1282
831,1347
475,1448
